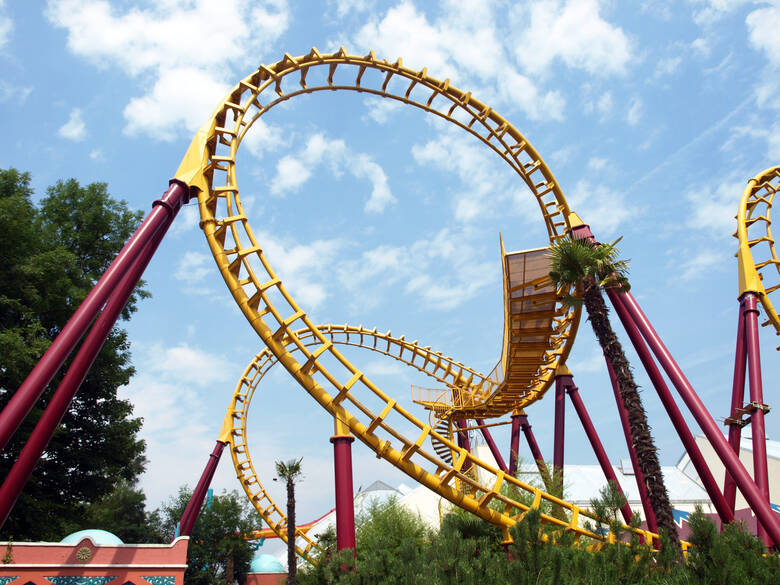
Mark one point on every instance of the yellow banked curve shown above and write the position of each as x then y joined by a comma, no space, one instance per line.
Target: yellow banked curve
755,215
448,480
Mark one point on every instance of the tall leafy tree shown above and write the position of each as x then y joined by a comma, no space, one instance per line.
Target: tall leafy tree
218,553
290,472
50,257
579,262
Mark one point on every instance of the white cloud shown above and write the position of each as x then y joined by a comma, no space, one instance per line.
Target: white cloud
713,208
604,209
263,137
10,92
635,111
488,187
443,271
714,10
293,170
604,105
482,64
597,164
96,154
303,268
572,31
382,110
344,7
168,392
667,66
701,263
762,27
74,129
193,267
184,52
6,25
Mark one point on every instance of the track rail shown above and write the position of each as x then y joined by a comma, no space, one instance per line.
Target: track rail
210,167
453,478
759,266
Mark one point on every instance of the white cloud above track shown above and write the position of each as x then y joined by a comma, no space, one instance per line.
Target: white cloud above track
573,32
183,53
483,63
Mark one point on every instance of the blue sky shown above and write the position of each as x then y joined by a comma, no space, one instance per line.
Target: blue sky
652,115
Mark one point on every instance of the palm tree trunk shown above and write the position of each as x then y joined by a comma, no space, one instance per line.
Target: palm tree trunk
637,418
291,560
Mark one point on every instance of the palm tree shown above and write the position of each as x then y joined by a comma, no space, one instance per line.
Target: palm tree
591,267
290,471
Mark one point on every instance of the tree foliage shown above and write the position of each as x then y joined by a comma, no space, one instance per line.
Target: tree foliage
591,267
218,553
50,257
461,553
290,472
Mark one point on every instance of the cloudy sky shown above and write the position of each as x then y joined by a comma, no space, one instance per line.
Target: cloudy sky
652,115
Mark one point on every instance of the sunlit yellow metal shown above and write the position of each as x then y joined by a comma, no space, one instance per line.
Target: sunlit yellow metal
455,479
210,166
759,267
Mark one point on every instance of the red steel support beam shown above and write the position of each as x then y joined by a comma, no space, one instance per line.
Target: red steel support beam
598,447
345,505
192,510
492,446
745,483
737,400
33,449
536,453
463,440
644,498
28,393
514,442
757,429
683,431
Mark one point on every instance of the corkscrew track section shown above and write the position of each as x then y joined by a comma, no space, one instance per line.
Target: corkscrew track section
457,480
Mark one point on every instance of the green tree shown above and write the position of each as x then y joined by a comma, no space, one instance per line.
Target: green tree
290,472
218,553
122,512
591,266
50,257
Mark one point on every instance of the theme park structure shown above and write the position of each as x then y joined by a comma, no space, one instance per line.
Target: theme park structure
539,330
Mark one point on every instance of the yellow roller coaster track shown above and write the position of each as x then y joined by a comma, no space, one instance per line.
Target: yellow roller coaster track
759,267
309,353
482,490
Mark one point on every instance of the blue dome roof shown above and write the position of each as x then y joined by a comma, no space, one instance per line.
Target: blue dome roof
266,563
97,536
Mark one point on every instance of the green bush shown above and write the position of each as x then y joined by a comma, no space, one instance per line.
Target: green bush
394,548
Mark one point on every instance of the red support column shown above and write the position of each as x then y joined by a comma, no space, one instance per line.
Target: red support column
192,510
492,446
757,429
345,503
28,393
745,483
697,459
536,453
22,470
598,447
647,508
463,440
514,442
737,399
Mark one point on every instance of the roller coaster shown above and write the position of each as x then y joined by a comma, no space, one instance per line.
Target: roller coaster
539,330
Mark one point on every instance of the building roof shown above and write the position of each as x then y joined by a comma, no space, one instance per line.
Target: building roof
96,536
